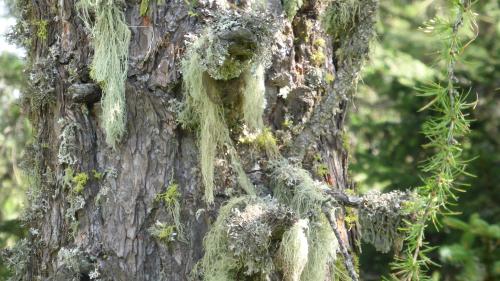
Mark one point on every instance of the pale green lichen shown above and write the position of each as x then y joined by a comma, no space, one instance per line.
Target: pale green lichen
382,216
110,41
323,248
293,251
253,97
216,264
143,9
295,187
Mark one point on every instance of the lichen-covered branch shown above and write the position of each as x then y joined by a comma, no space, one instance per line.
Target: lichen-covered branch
342,247
353,49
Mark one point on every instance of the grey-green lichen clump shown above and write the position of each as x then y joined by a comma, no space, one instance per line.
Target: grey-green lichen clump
294,187
110,41
240,243
234,46
381,216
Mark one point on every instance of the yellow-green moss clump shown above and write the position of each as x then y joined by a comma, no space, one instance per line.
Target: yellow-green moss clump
110,41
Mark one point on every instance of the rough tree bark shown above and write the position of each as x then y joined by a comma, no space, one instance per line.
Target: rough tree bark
308,89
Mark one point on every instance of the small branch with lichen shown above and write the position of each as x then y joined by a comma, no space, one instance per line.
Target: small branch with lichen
354,49
349,265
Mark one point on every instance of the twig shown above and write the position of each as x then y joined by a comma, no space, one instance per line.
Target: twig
343,249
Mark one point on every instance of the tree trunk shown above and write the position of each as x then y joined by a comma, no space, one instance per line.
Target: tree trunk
307,90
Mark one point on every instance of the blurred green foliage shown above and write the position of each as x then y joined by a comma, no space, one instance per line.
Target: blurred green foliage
14,134
387,139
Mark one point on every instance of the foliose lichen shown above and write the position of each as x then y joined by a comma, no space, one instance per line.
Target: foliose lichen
381,217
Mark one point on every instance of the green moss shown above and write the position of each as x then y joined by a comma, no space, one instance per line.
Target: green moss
318,57
329,77
110,41
266,140
79,182
41,29
76,182
321,169
97,175
351,217
291,7
143,9
319,43
163,232
171,196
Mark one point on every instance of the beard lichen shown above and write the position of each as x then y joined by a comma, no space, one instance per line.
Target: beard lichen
110,41
233,47
294,187
293,251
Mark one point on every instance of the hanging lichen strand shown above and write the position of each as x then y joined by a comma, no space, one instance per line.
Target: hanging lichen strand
294,187
235,46
110,41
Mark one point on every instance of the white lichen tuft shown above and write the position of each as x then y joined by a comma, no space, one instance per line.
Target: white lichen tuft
67,153
323,248
294,250
110,41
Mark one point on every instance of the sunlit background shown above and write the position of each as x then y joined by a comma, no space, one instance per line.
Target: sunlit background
384,129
